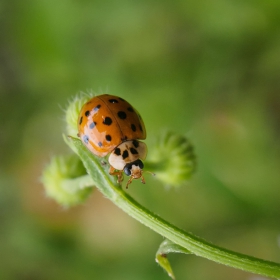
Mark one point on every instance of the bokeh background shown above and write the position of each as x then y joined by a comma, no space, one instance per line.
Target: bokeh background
207,69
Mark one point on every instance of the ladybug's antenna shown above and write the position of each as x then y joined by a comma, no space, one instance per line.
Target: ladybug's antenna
142,178
153,174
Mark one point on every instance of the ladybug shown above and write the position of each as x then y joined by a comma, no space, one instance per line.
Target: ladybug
108,124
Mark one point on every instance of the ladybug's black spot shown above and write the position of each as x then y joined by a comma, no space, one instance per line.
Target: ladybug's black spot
125,154
133,151
135,143
81,120
87,113
92,125
107,121
133,127
139,163
99,144
122,115
130,109
117,151
108,137
140,126
96,108
113,101
85,139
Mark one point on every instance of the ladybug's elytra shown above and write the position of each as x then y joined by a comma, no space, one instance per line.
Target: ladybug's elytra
109,124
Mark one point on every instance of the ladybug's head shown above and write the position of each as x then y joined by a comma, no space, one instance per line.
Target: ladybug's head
134,170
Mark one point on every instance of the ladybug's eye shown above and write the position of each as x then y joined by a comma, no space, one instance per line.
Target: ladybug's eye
127,169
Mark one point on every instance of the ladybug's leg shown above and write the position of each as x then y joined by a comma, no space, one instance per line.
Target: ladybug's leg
120,177
143,180
113,172
129,182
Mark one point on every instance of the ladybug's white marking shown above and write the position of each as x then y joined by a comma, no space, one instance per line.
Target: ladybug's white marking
117,160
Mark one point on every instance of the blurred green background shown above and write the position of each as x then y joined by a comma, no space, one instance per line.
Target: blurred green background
207,69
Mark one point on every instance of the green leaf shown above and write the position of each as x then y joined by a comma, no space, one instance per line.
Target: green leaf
165,248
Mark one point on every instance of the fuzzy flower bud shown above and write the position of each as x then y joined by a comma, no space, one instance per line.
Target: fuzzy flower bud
66,181
172,159
72,112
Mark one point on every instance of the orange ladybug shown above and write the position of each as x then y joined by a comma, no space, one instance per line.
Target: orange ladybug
109,124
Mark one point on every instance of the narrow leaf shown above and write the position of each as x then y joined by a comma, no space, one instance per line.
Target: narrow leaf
165,248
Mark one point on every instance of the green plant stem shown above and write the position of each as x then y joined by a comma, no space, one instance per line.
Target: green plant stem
194,244
188,241
75,184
